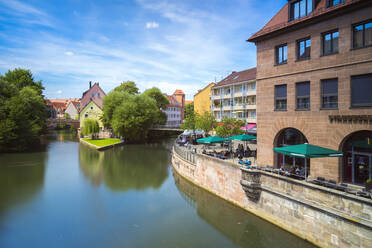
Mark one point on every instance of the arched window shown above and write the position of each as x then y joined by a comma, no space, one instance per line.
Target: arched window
357,160
290,137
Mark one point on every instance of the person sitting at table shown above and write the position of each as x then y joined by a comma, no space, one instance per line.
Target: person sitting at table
297,171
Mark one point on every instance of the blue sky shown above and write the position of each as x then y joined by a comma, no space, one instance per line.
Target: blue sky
168,44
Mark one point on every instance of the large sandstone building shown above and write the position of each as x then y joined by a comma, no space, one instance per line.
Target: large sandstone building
314,85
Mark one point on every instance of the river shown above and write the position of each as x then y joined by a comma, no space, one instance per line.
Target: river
67,195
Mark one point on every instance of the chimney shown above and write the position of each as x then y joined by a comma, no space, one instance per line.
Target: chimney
90,84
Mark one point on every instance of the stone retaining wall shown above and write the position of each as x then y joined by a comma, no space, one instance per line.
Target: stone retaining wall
325,217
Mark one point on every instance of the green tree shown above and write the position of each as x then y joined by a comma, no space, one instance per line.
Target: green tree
129,87
23,78
134,116
90,127
67,116
162,103
189,110
205,122
229,127
160,99
22,110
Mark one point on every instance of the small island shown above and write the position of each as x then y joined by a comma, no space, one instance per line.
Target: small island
100,144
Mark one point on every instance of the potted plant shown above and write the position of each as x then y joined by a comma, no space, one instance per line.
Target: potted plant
368,184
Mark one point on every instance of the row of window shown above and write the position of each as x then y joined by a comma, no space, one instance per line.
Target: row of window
361,37
360,93
302,8
98,94
174,109
241,88
174,115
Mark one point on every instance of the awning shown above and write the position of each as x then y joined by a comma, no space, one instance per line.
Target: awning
249,126
211,140
243,137
307,151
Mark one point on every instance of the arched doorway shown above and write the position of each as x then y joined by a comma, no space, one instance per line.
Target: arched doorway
289,137
357,160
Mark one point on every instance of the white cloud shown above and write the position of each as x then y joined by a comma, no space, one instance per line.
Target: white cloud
59,92
150,25
69,53
27,13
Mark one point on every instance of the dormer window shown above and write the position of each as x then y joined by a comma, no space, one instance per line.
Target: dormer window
300,8
331,3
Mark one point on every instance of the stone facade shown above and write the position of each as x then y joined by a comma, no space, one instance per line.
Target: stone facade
314,123
323,216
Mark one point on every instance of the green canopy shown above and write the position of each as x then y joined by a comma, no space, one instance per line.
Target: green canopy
243,137
307,151
211,140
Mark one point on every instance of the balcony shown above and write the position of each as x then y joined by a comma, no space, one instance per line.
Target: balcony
251,93
226,108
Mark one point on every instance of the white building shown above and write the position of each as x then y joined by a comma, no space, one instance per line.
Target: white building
235,96
174,112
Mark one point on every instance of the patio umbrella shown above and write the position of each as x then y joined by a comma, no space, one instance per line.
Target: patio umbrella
243,137
211,140
307,151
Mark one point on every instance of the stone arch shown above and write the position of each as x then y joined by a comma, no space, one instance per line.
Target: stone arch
356,165
288,136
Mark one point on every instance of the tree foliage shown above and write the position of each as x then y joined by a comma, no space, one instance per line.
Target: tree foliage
67,116
189,110
22,110
205,122
229,127
131,115
189,122
160,99
129,87
90,127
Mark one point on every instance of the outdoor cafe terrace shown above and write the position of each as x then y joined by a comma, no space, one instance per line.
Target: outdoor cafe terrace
243,152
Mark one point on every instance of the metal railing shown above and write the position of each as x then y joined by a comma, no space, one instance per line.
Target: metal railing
184,153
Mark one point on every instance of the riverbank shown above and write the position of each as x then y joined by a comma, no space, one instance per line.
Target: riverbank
325,217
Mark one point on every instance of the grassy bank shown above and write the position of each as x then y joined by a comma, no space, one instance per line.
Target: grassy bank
102,142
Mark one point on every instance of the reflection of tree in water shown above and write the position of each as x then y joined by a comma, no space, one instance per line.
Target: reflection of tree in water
21,178
241,227
127,167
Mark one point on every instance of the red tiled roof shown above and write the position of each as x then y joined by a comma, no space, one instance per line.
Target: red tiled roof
237,77
87,96
173,101
178,92
187,102
280,21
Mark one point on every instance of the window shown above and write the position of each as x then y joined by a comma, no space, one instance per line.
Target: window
99,95
331,3
281,97
86,115
330,42
281,54
91,107
361,91
303,95
303,49
300,9
92,94
362,35
329,93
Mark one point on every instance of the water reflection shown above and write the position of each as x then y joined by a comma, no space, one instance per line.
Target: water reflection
123,168
241,227
21,178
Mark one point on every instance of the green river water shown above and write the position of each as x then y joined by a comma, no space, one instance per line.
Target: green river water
67,195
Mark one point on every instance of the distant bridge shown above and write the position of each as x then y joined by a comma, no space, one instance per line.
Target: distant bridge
53,123
171,129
